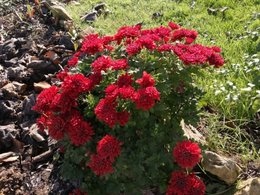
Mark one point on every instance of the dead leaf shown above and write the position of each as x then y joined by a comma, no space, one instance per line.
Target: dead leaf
52,56
11,159
8,157
192,133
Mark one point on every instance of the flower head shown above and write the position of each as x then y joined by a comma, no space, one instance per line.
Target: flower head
187,154
109,147
179,184
99,165
146,81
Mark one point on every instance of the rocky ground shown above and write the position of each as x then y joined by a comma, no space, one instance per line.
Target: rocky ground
32,50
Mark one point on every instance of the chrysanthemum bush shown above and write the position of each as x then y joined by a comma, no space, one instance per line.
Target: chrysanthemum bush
117,108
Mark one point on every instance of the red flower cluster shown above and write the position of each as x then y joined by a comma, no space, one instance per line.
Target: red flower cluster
198,54
106,62
108,149
59,116
92,44
187,154
45,98
185,184
73,61
144,98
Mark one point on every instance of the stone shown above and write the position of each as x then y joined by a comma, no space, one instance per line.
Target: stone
7,133
18,73
67,42
9,91
90,17
250,186
42,67
7,110
38,87
224,168
20,88
28,103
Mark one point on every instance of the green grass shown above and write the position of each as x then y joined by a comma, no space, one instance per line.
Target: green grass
236,32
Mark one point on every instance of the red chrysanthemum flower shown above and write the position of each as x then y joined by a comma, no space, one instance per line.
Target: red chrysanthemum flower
145,98
112,92
124,80
123,117
63,103
163,33
42,122
45,99
173,26
107,39
133,48
106,111
216,60
101,63
73,61
109,147
62,75
127,92
120,64
127,32
95,79
92,44
165,47
146,81
197,186
75,84
216,49
147,41
187,154
189,35
79,130
56,127
99,165
179,184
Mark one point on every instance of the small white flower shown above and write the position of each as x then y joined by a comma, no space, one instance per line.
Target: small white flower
228,97
230,83
256,60
217,92
250,84
223,88
235,97
246,89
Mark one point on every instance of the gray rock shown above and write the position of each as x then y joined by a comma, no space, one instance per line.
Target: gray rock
7,133
7,111
90,17
19,73
10,91
42,67
9,48
28,103
250,186
11,62
19,87
67,42
226,169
